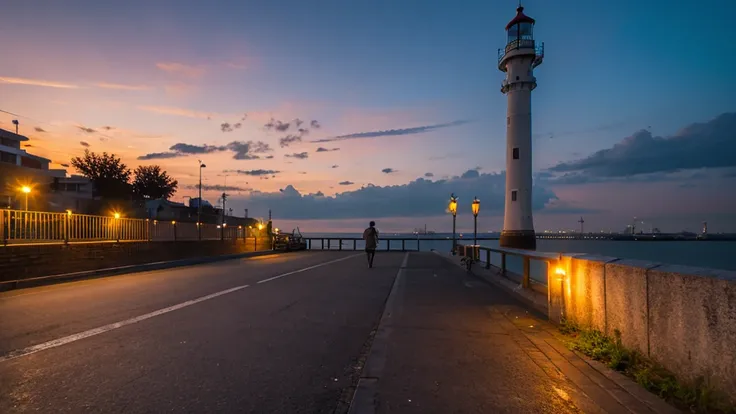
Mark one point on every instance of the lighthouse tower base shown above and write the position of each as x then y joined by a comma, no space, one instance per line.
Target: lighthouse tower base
518,239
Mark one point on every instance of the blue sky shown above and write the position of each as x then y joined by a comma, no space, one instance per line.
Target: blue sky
173,72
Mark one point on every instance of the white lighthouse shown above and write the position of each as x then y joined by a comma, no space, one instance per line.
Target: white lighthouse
518,59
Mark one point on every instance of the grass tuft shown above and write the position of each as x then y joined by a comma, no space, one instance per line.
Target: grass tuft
699,396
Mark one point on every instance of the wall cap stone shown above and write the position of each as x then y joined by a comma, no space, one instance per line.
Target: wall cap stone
727,275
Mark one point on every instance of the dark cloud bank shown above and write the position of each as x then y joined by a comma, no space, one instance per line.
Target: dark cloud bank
643,157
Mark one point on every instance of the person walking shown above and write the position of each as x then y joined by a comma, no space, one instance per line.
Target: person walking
370,235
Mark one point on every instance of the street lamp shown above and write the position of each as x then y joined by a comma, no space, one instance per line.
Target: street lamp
199,204
118,224
476,209
26,190
453,210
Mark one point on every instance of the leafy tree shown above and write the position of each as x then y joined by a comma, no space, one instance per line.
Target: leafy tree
110,176
152,183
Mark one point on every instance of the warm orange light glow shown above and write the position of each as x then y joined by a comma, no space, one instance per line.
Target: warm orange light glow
453,205
560,271
240,227
173,221
69,213
26,189
224,224
260,227
476,206
116,215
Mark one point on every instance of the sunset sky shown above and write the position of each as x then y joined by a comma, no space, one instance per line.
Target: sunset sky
398,103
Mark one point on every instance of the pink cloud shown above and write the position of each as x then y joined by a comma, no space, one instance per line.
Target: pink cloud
169,110
123,87
181,69
37,82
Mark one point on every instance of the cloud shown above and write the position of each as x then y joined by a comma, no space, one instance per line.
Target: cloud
428,175
86,129
84,144
107,128
289,139
392,132
315,124
302,172
168,110
226,127
65,165
274,124
181,69
37,82
122,87
700,145
418,198
159,155
39,129
298,155
208,187
255,173
323,149
388,171
242,150
335,166
269,157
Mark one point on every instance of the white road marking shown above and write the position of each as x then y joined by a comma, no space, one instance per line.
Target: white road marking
106,328
102,329
309,268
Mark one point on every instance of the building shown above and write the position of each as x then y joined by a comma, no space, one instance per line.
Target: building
51,189
518,59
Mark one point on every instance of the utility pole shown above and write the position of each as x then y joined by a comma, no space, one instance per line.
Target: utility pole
246,213
222,225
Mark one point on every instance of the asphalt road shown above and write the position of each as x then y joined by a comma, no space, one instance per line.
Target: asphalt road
287,333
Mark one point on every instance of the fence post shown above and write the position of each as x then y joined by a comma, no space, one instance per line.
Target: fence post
328,244
255,243
403,245
503,264
340,247
525,278
488,259
355,244
323,244
418,245
174,224
388,244
67,219
3,224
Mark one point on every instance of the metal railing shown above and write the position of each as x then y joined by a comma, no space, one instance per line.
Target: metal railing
522,44
526,272
402,244
37,227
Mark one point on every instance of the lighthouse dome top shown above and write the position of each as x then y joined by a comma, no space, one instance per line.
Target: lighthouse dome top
519,18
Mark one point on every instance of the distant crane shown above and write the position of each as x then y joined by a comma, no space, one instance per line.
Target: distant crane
581,221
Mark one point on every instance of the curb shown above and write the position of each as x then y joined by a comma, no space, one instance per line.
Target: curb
113,271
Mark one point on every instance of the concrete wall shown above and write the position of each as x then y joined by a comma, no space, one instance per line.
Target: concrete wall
682,317
26,261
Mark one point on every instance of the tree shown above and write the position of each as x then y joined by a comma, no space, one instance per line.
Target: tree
110,176
152,183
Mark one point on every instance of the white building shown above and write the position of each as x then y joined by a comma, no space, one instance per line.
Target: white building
518,59
52,189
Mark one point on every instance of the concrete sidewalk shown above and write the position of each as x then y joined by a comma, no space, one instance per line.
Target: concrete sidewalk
451,343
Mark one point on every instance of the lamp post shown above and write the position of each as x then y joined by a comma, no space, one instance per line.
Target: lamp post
476,209
26,190
453,210
118,225
199,204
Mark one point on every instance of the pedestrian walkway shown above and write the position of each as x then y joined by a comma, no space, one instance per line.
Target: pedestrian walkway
451,343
